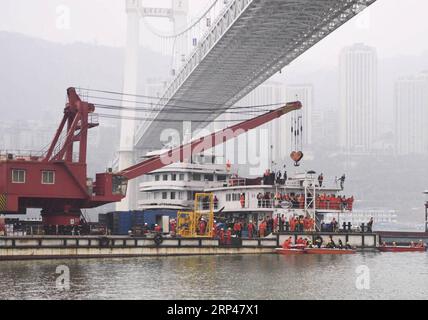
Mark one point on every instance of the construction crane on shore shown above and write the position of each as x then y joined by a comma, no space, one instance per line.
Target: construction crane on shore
57,183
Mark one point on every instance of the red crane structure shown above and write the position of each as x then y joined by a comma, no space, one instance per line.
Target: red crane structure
57,181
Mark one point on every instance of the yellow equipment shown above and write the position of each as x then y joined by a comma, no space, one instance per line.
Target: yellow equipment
190,224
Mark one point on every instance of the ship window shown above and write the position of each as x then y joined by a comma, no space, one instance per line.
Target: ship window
189,195
164,195
221,177
181,177
236,196
165,177
209,177
197,177
172,195
180,195
18,176
173,177
228,197
157,177
48,177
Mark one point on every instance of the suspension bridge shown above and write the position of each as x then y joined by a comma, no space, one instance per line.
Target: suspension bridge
248,42
220,57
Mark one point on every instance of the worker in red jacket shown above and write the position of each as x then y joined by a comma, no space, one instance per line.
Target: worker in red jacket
158,228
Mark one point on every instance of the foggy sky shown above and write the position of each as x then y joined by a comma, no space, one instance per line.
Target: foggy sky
394,27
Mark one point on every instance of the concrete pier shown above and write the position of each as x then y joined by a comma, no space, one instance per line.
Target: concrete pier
61,247
20,248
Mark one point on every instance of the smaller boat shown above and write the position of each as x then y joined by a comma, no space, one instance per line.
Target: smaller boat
401,249
329,251
289,251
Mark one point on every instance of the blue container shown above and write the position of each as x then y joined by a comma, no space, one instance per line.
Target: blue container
122,222
137,218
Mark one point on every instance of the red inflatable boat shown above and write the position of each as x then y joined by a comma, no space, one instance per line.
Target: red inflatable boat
401,249
329,251
289,251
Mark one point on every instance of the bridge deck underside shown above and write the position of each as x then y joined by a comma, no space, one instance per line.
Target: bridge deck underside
264,37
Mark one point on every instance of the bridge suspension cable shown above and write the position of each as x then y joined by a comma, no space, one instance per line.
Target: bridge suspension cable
159,102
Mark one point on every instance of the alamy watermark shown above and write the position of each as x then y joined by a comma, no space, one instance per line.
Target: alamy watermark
362,281
62,282
241,147
63,17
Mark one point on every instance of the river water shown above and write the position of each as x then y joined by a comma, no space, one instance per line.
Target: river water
382,276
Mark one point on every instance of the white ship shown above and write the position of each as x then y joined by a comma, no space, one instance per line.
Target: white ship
173,188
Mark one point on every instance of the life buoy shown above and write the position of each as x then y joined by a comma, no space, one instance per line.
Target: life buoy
104,242
158,239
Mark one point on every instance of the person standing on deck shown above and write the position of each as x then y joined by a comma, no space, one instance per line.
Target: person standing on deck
275,223
342,181
370,225
320,179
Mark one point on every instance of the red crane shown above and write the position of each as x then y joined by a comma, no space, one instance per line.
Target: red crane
57,181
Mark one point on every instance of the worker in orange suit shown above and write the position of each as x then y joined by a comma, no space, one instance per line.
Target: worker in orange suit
292,223
242,200
350,203
214,232
237,227
328,200
202,227
221,236
311,224
172,226
250,229
322,201
229,236
262,229
306,223
301,201
287,243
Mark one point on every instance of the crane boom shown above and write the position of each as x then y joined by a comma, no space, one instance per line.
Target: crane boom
57,182
185,152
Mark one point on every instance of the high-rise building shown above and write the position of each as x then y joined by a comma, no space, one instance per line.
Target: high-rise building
411,115
358,97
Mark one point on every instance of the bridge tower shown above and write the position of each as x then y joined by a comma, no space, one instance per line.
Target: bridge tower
135,11
426,211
